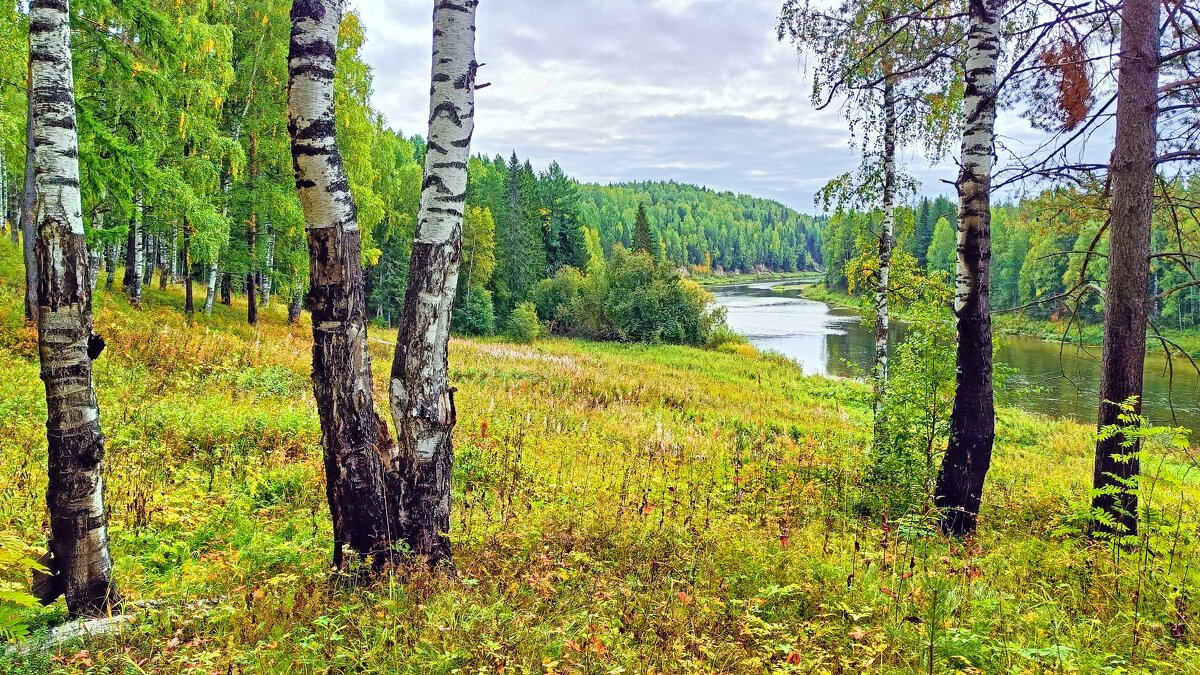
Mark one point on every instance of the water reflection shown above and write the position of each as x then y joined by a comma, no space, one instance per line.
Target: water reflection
827,340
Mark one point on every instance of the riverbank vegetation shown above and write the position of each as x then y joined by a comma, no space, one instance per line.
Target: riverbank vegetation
1040,284
615,506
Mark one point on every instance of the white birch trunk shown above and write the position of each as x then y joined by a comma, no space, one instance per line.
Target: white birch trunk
354,439
269,264
959,489
66,344
422,402
887,237
138,241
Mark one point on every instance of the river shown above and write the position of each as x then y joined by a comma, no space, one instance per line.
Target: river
828,340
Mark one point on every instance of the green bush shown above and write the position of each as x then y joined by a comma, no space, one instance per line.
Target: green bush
648,302
557,298
523,324
476,316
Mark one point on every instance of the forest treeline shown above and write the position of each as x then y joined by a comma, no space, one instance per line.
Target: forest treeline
187,173
1045,249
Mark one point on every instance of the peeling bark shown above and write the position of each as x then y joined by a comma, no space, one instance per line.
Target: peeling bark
422,402
354,439
959,489
66,344
1127,300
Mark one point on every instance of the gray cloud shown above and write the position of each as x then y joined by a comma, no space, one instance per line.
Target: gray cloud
697,91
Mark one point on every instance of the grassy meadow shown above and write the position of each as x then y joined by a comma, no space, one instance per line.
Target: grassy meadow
617,509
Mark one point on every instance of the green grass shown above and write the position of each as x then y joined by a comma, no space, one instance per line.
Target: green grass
617,508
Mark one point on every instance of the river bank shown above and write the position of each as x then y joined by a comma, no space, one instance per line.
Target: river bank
826,336
1011,323
718,279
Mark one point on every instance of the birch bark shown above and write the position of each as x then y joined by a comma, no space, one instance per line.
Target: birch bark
66,344
354,439
959,489
887,237
422,402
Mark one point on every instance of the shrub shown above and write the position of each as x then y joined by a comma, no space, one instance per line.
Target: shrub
523,324
476,316
558,297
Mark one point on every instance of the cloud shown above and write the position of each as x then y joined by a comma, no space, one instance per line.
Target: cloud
691,90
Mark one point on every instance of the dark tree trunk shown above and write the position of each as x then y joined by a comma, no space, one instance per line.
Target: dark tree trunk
959,489
1127,299
252,299
66,344
130,252
296,305
227,289
28,228
422,401
149,257
164,265
357,447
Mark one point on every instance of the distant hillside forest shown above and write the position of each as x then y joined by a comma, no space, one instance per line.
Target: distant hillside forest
713,231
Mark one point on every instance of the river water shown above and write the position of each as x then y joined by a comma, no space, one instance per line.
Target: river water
827,340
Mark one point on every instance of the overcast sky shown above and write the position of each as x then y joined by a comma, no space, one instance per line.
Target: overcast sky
698,91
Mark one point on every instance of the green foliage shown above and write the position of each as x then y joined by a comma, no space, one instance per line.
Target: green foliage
708,231
916,412
15,567
942,255
476,316
523,324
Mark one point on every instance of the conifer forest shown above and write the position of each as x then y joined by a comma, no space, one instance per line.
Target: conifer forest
667,336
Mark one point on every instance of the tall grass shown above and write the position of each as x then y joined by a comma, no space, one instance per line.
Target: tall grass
617,508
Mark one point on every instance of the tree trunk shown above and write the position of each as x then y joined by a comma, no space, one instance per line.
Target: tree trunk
5,221
227,289
355,441
174,260
296,305
66,344
269,264
136,258
887,236
110,266
211,294
959,489
1127,299
93,254
164,267
189,306
422,402
149,256
28,227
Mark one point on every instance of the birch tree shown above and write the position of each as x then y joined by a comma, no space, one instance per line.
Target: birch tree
354,439
889,62
422,402
968,455
67,345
